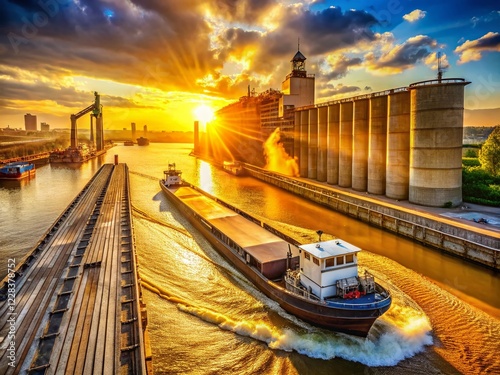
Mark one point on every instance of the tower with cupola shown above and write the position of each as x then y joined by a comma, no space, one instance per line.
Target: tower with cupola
298,86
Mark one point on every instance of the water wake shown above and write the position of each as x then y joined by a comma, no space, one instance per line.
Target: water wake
401,333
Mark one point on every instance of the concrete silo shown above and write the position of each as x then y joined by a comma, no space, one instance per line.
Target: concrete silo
360,145
304,134
398,145
312,161
322,142
333,144
436,122
345,144
296,135
377,144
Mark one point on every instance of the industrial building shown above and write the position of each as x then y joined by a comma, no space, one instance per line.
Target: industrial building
247,123
404,143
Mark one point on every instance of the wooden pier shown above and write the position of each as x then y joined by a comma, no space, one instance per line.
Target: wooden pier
73,305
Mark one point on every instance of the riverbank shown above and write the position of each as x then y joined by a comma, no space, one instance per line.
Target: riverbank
452,230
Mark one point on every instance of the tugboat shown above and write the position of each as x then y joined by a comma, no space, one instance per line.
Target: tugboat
317,282
17,171
142,141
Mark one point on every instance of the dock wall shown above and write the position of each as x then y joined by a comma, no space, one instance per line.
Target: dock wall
429,230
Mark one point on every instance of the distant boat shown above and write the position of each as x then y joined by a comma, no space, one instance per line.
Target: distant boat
80,154
17,171
142,141
233,167
128,143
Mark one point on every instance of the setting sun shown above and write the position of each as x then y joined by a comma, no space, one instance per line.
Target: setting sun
204,113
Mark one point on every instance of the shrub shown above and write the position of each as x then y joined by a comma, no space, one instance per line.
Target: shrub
471,162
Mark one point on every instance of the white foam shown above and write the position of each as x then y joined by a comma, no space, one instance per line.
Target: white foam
401,334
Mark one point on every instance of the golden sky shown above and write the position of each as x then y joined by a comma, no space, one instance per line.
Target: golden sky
155,61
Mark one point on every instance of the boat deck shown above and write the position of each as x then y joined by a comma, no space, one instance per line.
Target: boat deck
77,306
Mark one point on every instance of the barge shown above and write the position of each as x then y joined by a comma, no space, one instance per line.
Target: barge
79,154
318,282
233,167
17,170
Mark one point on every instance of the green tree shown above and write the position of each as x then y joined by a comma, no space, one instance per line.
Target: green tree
470,153
489,156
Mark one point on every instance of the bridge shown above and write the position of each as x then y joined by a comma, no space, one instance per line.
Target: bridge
74,303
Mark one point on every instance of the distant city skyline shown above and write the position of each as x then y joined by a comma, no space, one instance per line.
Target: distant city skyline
154,63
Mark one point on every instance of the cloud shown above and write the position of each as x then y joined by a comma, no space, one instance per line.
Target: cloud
472,50
401,57
432,61
337,65
330,90
415,15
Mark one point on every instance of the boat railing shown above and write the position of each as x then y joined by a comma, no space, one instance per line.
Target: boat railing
302,293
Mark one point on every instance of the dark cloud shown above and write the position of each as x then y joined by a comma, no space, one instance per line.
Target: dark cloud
241,11
329,90
330,29
64,96
340,67
471,50
402,57
121,41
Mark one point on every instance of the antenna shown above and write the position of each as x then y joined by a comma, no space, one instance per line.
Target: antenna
298,44
440,70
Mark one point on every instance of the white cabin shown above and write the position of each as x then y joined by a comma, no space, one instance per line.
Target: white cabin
323,263
172,176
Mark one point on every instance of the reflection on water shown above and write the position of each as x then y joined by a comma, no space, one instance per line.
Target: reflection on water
206,179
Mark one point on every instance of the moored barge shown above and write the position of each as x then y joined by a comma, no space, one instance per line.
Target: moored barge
233,167
317,282
17,170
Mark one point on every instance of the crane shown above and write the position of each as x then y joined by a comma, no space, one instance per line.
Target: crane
96,111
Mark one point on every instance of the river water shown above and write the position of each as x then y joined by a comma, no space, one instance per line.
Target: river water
205,318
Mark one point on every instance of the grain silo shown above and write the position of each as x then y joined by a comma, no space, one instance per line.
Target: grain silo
345,144
312,161
333,144
436,131
377,144
398,145
360,145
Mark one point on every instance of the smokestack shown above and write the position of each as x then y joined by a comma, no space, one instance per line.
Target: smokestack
248,90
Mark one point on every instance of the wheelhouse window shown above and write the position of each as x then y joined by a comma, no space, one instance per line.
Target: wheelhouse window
316,261
340,261
349,258
329,262
307,256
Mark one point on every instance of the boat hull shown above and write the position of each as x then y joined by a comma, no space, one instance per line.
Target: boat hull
352,321
17,172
